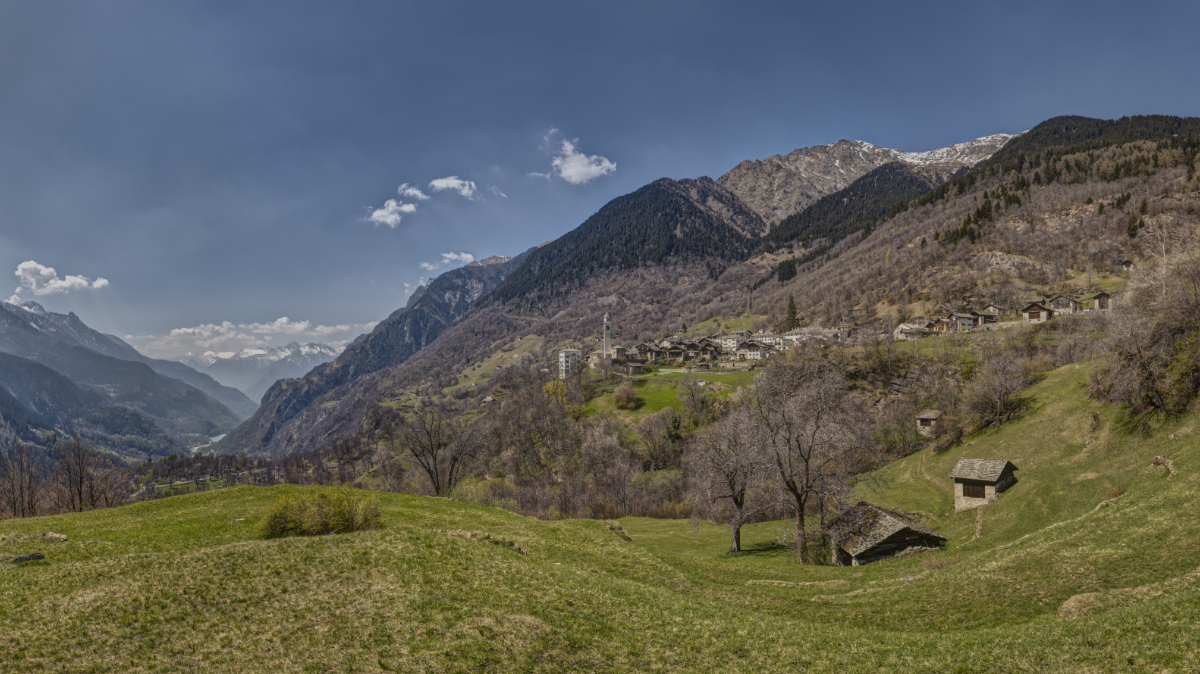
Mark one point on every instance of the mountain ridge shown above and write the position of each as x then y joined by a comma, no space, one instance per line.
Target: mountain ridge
253,370
782,185
172,403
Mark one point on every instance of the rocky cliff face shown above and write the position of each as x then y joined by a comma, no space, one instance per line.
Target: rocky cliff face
779,186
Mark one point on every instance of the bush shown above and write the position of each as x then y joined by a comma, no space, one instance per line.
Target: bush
331,511
626,397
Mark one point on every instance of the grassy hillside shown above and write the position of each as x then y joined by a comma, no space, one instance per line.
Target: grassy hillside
1061,578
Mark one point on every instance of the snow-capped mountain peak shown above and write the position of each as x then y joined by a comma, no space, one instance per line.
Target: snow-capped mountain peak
254,369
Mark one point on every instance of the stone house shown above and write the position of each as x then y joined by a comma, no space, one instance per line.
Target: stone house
977,482
962,322
985,317
751,350
908,332
634,368
1127,265
866,533
648,351
1061,304
929,423
1036,312
1102,301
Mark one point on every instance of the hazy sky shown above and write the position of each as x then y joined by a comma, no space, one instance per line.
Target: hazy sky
213,167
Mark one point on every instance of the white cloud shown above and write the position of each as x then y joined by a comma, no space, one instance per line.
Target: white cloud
43,280
465,258
535,174
464,187
496,190
390,214
448,259
577,168
15,299
411,192
228,337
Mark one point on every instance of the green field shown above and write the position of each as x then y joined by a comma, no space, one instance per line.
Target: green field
1065,576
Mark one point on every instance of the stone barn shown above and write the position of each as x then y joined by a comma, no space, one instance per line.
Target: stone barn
1062,304
866,533
1102,302
1036,312
929,423
977,482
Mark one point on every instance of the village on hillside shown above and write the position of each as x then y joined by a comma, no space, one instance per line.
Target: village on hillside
740,348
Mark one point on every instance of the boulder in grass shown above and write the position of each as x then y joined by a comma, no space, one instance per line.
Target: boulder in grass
58,538
31,557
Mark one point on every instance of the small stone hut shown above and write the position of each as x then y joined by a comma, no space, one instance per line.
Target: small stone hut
866,533
1036,312
929,423
977,482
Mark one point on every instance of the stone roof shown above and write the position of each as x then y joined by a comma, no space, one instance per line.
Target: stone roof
984,470
865,525
929,414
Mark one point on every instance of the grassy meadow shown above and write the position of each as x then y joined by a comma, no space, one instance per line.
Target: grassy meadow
1064,573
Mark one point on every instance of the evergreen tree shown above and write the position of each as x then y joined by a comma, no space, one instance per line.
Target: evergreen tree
791,322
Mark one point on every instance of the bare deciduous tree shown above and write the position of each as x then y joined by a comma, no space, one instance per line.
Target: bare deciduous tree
23,480
661,433
84,481
993,393
727,468
812,436
444,447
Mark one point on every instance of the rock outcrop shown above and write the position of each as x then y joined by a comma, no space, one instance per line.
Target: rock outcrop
779,186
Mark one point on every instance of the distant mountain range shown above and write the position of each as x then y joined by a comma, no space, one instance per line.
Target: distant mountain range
254,370
72,378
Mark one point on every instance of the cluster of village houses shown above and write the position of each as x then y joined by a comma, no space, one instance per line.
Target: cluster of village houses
744,345
1035,311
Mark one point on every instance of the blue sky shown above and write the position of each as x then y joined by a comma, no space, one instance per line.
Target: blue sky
218,163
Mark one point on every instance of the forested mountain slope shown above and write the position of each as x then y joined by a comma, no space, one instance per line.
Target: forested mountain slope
665,222
111,345
174,405
36,403
392,342
855,207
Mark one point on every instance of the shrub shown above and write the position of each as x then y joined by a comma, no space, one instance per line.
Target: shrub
626,397
332,511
